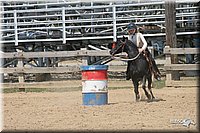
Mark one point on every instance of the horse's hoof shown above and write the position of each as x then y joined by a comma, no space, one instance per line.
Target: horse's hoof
149,97
150,100
137,100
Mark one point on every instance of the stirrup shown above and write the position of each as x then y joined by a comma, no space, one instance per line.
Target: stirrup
157,76
128,77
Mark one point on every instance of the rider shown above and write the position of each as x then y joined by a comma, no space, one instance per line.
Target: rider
138,39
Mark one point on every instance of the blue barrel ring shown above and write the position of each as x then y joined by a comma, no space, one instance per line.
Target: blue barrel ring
95,67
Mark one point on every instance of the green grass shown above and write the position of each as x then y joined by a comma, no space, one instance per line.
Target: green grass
115,88
158,84
40,90
14,90
155,84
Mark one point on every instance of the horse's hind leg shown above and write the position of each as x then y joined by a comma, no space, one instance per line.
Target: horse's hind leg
144,88
137,95
149,86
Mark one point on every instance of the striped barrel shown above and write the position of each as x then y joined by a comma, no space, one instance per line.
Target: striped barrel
94,84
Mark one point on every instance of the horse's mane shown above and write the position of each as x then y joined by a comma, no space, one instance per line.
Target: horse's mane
131,44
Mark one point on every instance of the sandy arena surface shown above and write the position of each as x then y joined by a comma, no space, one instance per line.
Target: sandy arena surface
64,111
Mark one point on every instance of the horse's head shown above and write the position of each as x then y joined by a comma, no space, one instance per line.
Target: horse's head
118,46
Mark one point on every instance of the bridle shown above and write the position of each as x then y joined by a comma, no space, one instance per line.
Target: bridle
123,59
122,46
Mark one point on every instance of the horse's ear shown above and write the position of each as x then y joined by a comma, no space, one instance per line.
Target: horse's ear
126,38
123,39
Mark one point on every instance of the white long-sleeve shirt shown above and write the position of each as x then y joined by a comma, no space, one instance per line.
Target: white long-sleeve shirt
139,40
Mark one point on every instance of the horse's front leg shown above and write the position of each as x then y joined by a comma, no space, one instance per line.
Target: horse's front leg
137,95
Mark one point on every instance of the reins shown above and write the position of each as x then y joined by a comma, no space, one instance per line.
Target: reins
131,59
122,59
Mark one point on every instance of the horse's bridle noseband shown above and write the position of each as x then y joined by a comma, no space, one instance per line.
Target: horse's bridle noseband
122,46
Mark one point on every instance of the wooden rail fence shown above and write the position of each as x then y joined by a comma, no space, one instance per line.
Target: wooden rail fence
20,69
169,67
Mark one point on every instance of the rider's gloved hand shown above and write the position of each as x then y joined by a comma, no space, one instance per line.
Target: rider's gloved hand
140,50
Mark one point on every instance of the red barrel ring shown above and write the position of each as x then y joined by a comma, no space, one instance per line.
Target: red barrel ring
95,75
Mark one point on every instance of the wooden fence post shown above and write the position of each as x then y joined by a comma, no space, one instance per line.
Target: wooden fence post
20,65
168,73
84,58
171,39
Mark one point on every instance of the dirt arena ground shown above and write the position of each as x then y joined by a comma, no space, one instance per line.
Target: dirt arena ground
58,111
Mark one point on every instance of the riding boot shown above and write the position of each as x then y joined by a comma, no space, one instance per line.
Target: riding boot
128,76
